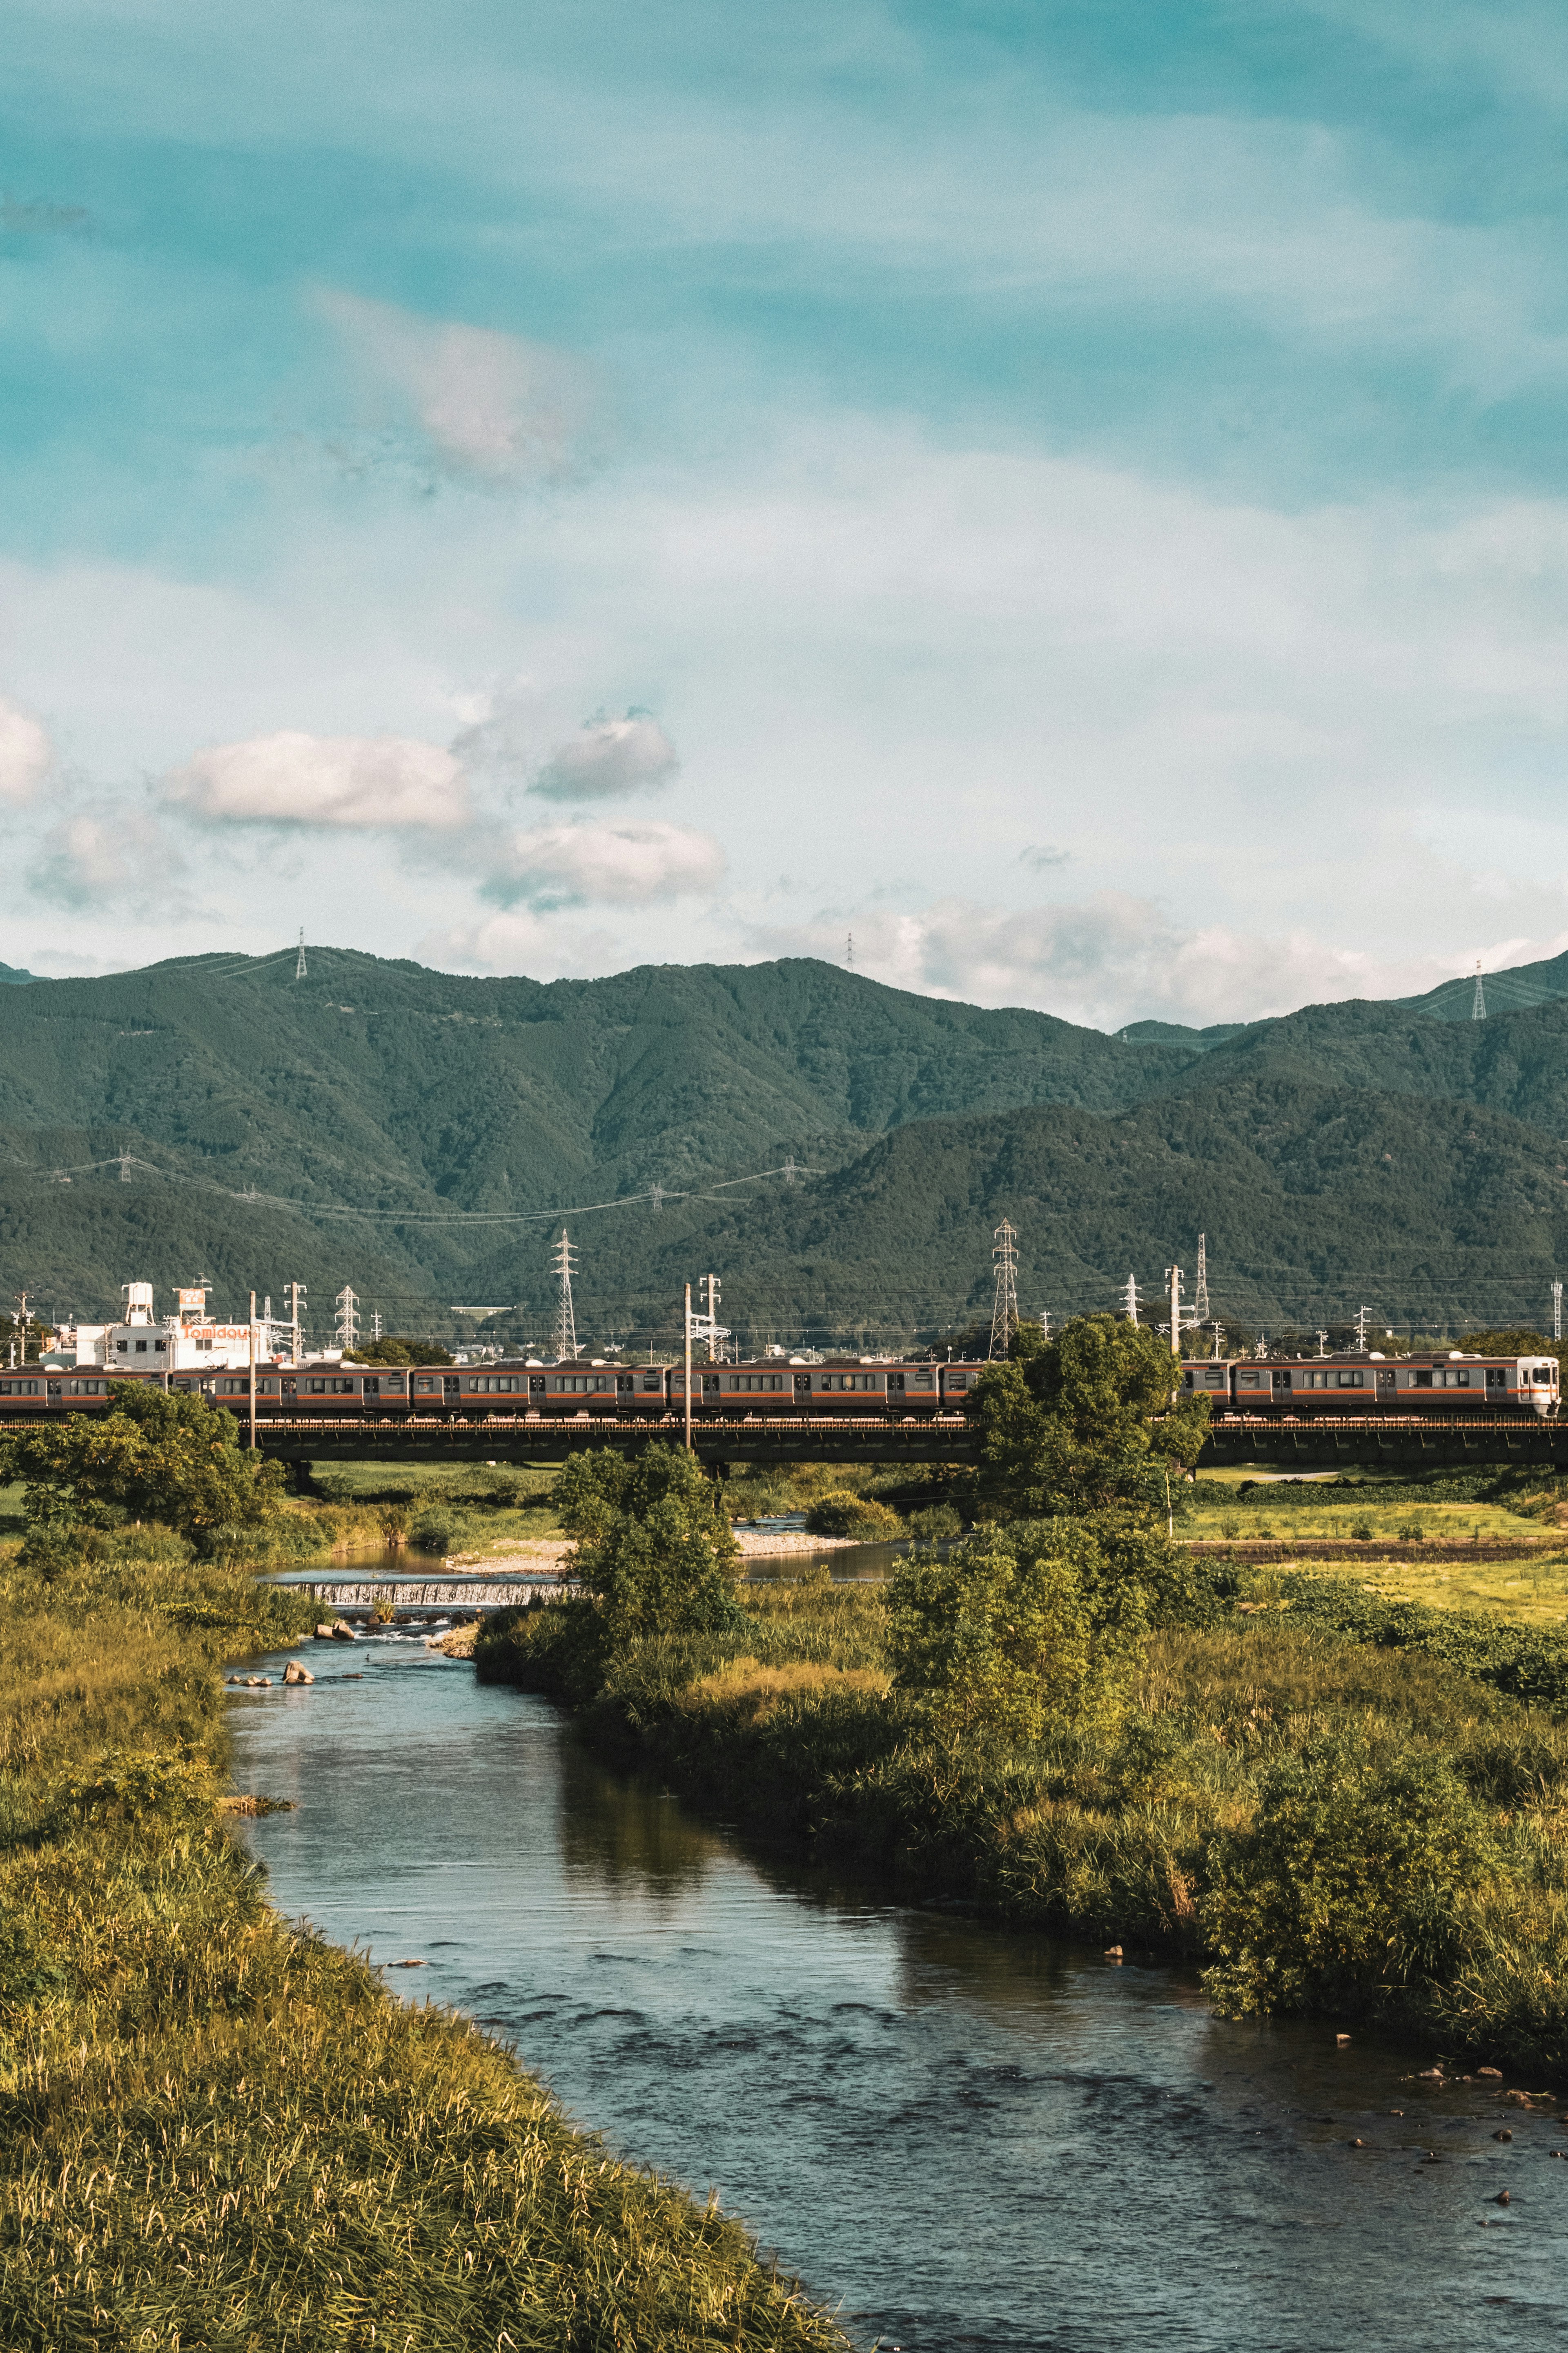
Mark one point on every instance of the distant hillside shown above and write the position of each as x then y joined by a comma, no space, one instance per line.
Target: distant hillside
406,1131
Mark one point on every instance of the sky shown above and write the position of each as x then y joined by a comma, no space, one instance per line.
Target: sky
1057,505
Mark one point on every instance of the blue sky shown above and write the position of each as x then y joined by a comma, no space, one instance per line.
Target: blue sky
1076,496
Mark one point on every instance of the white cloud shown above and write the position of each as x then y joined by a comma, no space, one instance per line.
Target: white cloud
102,854
495,406
25,753
619,865
522,941
1106,961
292,778
609,757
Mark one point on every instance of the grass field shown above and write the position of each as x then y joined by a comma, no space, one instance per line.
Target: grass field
218,2132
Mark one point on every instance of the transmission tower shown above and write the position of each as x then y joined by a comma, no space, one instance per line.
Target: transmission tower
1005,1311
565,1320
849,952
1132,1298
1479,1008
1557,1311
347,1320
1200,1288
707,1328
125,1168
300,959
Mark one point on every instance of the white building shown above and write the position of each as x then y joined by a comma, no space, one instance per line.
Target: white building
187,1341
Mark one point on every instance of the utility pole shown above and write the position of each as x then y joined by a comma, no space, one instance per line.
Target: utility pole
296,1292
1322,1344
1045,1323
1362,1314
253,1372
565,1318
22,1324
1173,1276
1132,1298
1004,1309
375,1323
300,959
1201,1289
1478,1006
347,1319
1557,1310
686,1386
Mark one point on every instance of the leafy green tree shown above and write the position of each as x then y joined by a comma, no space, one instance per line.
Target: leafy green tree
1089,1421
1018,1629
396,1350
154,1455
652,1547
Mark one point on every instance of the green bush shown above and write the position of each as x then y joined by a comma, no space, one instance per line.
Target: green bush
439,1528
1350,1888
853,1516
936,1523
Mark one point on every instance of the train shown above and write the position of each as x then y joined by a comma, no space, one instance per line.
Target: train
838,1389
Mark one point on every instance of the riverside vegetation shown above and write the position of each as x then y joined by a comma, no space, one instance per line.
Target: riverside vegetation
1332,1804
217,2130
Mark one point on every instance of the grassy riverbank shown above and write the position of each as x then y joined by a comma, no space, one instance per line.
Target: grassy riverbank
219,2132
1367,1828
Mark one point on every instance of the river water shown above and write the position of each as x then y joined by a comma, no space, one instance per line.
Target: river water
957,2135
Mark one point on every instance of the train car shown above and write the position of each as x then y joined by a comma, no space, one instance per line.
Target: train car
1330,1387
845,1389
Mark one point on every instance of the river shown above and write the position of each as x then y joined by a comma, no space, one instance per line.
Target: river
958,2135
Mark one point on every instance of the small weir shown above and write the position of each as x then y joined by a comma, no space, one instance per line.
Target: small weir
965,2137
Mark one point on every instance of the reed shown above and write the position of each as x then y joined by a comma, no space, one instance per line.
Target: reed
220,2131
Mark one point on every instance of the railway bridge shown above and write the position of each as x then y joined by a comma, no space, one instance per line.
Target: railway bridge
1403,1443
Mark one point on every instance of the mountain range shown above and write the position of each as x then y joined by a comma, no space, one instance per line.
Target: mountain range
840,1153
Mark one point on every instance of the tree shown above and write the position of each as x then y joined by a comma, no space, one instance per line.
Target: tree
1090,1421
1014,1630
652,1547
396,1350
154,1455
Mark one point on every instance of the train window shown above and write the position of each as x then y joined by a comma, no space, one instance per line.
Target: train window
1421,1380
1348,1380
958,1381
923,1379
1248,1380
427,1387
1543,1373
316,1389
503,1381
1214,1380
391,1382
1186,1380
653,1383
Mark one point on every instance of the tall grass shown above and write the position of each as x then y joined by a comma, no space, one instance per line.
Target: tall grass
218,2131
1326,1824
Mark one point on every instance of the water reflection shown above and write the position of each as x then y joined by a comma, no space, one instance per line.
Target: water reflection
971,2137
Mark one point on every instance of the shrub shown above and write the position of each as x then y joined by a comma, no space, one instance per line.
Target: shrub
1363,1530
936,1523
439,1528
853,1516
1350,1887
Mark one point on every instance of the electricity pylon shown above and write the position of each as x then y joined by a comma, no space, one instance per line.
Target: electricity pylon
347,1320
1200,1288
1478,1007
1005,1311
565,1319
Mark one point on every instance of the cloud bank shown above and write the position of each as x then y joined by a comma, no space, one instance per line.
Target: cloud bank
495,406
25,753
616,865
610,757
292,778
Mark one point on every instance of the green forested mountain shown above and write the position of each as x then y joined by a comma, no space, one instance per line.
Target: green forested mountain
408,1131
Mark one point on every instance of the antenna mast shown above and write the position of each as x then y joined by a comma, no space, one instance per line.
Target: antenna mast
565,1320
1479,1008
1005,1312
